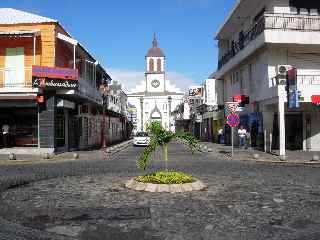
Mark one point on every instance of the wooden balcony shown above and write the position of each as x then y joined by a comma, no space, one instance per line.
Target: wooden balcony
16,78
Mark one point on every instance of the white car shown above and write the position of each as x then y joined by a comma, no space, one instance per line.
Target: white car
141,139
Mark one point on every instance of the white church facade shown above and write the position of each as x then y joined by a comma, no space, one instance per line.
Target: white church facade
157,98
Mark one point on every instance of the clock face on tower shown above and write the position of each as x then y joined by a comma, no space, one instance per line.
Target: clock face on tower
155,83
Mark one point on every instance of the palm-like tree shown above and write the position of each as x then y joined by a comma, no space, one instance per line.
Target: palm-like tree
161,138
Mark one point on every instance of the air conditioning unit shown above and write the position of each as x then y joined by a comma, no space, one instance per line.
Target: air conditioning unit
282,73
282,70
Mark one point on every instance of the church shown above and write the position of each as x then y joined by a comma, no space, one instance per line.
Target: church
156,98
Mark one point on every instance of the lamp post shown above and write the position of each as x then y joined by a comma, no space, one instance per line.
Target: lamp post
104,91
170,102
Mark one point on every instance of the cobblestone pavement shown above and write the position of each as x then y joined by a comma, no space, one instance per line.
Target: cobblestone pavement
87,200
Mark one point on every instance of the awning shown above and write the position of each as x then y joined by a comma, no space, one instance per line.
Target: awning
20,33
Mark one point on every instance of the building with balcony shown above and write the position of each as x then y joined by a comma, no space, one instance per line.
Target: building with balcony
257,38
49,86
117,114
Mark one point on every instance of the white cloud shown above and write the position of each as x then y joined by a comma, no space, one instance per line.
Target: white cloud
134,81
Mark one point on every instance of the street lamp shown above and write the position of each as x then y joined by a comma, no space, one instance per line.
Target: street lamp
104,90
170,102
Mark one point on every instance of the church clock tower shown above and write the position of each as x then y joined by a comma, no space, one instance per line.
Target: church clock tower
155,74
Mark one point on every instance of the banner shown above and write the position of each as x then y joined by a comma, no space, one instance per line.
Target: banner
53,83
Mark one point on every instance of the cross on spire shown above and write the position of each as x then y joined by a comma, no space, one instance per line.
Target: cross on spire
155,42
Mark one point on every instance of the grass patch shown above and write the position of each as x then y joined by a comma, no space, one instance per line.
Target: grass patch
166,177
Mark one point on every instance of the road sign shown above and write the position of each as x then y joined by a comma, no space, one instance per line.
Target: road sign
232,106
233,120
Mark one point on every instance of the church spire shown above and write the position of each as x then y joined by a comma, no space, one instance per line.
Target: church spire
154,42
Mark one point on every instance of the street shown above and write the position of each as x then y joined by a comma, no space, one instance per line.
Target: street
87,200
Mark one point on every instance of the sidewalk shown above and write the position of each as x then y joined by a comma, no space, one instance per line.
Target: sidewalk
66,156
292,157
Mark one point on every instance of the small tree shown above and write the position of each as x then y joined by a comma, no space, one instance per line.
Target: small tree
161,138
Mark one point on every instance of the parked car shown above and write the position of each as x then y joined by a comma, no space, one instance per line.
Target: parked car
141,139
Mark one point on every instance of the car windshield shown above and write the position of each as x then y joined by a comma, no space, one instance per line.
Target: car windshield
142,134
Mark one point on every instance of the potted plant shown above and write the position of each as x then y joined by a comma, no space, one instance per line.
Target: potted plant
166,180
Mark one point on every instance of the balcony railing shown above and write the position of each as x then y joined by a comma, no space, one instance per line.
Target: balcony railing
308,80
302,80
275,22
15,77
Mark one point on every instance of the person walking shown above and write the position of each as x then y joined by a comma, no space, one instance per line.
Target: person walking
242,133
5,135
220,136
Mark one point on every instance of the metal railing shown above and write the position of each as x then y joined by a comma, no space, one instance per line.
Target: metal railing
15,77
302,80
308,80
271,21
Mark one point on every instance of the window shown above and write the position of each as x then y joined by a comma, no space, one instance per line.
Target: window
164,106
304,4
151,65
159,65
241,79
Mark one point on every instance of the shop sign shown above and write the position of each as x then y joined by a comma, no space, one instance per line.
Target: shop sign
195,92
53,83
315,99
55,72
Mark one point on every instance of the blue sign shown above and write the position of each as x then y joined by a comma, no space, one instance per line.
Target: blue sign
294,99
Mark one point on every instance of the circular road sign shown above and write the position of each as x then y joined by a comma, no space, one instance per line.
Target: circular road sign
233,120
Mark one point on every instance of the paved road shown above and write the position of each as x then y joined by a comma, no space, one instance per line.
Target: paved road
87,200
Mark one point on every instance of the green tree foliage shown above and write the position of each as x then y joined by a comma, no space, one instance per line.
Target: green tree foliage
160,138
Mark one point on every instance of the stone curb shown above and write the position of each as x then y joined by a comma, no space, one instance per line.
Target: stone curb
57,158
165,188
119,147
312,163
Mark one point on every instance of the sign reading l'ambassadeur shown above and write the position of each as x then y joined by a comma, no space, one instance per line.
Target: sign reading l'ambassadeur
54,77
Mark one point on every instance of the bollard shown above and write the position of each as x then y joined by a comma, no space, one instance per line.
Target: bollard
256,156
315,158
12,156
283,157
76,156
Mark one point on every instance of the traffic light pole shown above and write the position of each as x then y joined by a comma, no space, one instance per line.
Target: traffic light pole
282,126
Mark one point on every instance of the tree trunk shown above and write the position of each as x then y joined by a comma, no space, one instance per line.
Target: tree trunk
165,155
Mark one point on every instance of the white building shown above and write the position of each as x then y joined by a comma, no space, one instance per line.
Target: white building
158,98
255,40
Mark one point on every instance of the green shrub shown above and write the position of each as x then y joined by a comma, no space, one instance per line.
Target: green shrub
166,177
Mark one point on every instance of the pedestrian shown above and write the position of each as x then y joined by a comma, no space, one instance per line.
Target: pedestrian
242,133
220,136
5,135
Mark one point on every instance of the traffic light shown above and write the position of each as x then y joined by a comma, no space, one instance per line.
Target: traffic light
291,79
242,100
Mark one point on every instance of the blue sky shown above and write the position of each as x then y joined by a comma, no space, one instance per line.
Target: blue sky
119,32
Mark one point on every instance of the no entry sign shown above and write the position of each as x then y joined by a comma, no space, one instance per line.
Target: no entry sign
233,120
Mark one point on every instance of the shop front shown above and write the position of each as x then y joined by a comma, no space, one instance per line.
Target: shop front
20,119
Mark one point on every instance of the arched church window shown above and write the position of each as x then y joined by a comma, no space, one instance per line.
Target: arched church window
159,65
151,65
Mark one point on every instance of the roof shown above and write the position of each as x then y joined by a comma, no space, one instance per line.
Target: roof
20,33
155,51
155,94
228,18
14,16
